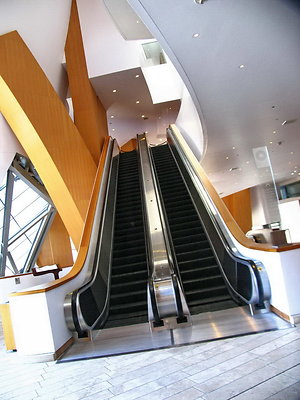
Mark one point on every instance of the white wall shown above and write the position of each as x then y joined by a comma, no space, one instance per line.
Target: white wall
8,285
106,50
189,124
290,217
9,146
43,26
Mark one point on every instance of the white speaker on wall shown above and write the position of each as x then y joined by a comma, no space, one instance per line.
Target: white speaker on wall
261,157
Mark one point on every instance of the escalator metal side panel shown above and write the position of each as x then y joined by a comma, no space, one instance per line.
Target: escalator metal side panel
161,267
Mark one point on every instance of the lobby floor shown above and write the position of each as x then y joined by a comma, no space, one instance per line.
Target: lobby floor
260,366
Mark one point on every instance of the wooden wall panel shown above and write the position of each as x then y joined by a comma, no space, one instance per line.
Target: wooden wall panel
89,113
130,145
43,127
239,205
56,248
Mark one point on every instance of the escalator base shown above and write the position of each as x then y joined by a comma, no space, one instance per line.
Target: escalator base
205,327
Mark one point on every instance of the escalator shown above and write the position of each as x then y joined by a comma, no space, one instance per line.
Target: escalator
129,273
203,283
158,254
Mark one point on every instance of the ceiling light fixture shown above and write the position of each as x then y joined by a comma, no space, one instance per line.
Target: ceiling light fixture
137,102
271,142
227,158
284,122
115,91
241,66
112,116
233,148
199,1
113,129
137,76
274,131
195,35
143,116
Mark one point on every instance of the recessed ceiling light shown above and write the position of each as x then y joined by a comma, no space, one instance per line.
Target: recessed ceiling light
137,76
247,162
292,152
295,170
112,116
146,131
113,129
115,90
233,148
227,158
143,116
241,66
292,173
271,142
137,102
274,131
284,122
137,21
195,35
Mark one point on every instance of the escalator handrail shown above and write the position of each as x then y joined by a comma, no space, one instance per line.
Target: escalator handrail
74,317
261,288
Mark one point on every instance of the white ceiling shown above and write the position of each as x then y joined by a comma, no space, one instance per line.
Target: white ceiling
240,108
130,117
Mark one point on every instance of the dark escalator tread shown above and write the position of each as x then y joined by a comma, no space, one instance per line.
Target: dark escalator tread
203,283
217,304
131,319
128,297
137,306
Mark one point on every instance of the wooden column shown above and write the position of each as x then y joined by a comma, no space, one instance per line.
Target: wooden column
239,205
89,113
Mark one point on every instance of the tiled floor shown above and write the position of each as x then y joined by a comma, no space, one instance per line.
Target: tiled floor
261,366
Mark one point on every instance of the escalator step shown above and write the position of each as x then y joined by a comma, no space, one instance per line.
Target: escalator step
198,263
128,297
198,237
128,307
129,268
184,247
194,255
133,276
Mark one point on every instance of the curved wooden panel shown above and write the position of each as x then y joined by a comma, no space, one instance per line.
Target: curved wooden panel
227,217
42,125
85,237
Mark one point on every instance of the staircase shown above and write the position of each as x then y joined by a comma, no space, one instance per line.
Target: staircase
128,300
203,284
